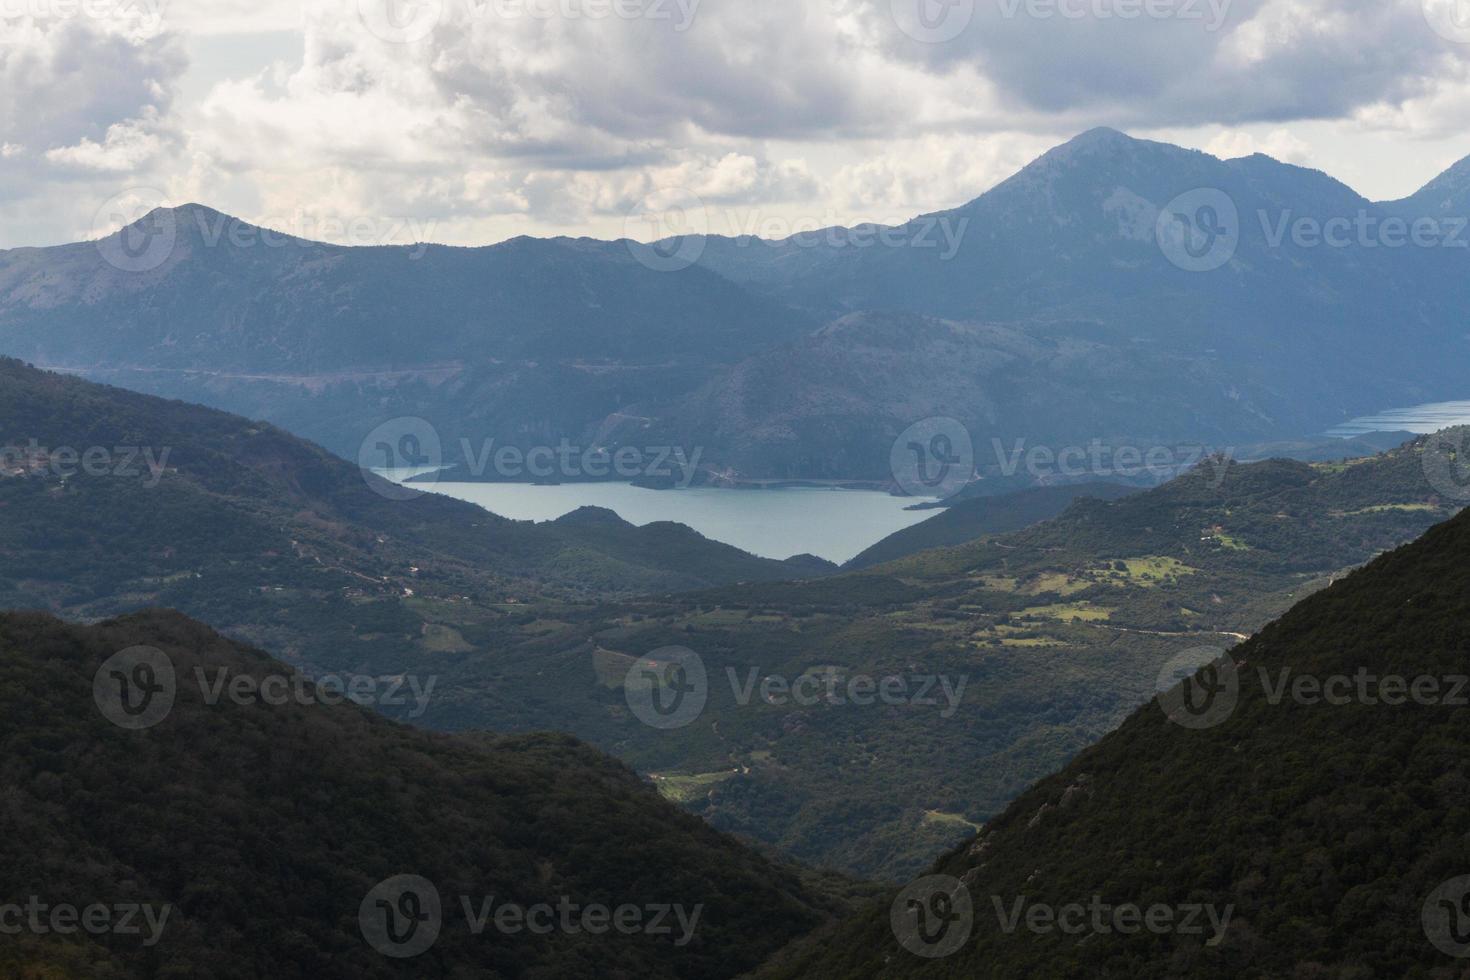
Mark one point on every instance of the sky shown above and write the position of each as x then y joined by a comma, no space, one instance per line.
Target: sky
473,121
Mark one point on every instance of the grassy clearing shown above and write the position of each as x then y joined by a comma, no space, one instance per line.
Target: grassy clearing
1389,508
681,788
1059,583
611,667
1147,572
438,638
942,819
1070,612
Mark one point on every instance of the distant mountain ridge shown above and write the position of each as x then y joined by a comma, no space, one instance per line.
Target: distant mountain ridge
523,342
1280,339
1060,306
274,540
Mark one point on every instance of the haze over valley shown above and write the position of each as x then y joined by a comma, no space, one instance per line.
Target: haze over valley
697,490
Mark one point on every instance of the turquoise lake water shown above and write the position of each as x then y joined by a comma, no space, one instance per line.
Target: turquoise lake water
775,523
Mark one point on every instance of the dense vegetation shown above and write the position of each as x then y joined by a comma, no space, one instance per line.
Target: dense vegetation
272,538
1327,827
265,825
1058,630
976,517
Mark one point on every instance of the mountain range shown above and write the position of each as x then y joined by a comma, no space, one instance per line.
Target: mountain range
535,627
274,540
1047,636
1054,308
1312,823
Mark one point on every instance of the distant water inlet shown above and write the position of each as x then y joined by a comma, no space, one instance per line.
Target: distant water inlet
774,523
1420,419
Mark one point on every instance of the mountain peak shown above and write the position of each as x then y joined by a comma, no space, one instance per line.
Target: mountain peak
1450,191
190,208
592,517
182,216
1100,135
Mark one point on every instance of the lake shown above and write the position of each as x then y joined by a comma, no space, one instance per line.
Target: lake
1420,419
776,523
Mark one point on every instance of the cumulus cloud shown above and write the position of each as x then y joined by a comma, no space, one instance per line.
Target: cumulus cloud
1281,144
65,79
489,117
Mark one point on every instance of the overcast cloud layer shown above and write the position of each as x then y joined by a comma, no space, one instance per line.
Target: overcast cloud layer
472,120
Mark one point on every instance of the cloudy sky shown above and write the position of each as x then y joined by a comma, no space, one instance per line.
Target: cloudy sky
470,121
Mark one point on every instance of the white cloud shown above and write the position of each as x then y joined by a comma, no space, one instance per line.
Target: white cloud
539,116
1279,143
